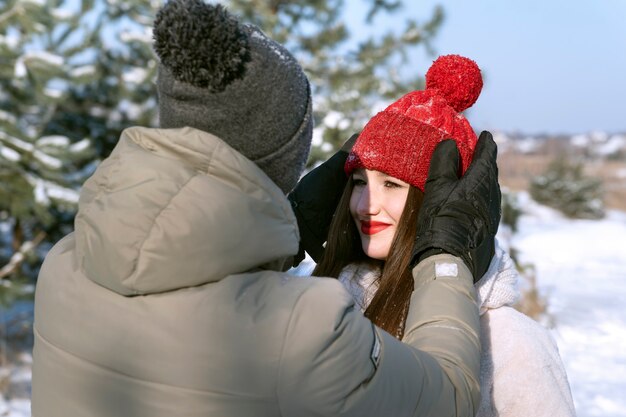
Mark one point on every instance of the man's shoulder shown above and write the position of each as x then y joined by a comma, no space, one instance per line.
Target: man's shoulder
319,305
306,292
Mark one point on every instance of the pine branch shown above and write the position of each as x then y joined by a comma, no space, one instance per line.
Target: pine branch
19,256
17,9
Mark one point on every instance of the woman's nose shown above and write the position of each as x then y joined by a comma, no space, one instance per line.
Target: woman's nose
368,203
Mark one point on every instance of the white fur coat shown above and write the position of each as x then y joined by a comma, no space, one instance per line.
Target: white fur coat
521,371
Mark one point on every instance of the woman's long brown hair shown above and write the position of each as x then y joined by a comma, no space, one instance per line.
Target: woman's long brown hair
390,304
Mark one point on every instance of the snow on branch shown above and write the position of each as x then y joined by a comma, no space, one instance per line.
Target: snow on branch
19,256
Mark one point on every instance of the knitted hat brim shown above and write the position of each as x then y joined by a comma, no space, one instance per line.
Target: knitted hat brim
285,164
391,143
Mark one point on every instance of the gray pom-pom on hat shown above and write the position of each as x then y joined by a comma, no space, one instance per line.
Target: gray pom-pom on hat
229,79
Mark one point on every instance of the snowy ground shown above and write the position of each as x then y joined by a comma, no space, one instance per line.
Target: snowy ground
581,270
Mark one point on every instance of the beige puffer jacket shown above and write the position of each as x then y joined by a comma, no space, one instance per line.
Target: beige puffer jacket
167,300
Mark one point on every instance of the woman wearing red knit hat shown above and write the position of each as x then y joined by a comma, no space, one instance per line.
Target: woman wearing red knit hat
383,225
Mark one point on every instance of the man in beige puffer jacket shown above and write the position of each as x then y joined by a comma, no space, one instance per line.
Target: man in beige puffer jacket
169,300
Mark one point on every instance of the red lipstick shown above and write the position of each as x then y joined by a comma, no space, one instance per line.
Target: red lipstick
372,227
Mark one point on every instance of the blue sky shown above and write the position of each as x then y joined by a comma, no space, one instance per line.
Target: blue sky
550,66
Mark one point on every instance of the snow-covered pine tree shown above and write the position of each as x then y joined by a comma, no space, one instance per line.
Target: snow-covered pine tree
72,75
565,187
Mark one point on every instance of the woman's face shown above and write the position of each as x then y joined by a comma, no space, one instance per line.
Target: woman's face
376,205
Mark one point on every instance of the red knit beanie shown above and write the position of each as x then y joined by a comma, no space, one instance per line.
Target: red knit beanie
401,139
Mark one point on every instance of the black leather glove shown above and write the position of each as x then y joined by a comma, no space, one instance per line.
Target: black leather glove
461,216
314,200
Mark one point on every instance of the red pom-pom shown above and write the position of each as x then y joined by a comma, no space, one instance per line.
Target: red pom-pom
457,79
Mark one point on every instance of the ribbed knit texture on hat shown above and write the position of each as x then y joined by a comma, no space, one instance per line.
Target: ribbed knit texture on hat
401,139
229,79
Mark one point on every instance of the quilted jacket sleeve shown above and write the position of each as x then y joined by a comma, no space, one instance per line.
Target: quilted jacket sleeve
335,362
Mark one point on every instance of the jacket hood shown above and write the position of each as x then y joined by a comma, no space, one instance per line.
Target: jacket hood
175,208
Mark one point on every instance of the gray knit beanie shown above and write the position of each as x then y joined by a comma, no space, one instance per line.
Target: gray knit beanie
229,79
